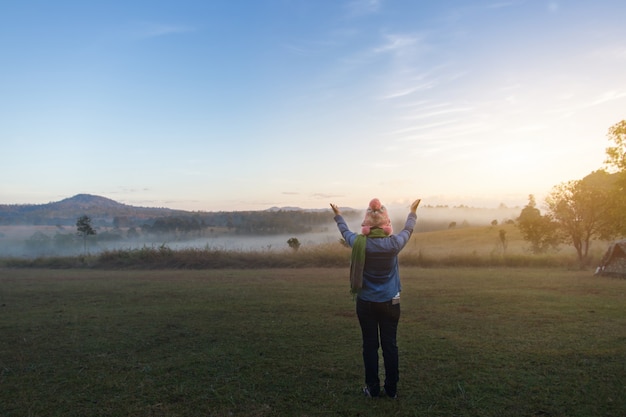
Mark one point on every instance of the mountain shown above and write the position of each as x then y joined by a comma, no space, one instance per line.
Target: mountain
106,212
86,202
65,212
286,208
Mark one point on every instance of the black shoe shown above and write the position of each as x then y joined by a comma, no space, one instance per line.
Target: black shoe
388,395
368,393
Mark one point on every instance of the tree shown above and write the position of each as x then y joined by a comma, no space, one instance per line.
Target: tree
537,229
616,155
294,243
503,241
83,226
616,161
132,233
582,210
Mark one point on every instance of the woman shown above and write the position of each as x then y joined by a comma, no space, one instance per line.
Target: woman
375,279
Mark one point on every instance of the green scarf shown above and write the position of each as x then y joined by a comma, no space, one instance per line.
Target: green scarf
357,260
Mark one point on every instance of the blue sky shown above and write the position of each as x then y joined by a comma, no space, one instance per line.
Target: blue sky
245,105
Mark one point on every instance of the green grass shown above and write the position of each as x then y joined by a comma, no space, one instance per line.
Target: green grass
282,342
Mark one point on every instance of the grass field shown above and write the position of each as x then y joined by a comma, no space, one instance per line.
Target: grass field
285,342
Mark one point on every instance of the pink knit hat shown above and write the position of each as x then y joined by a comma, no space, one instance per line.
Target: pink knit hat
376,217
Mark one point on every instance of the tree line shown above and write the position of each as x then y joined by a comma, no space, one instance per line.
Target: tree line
579,211
245,222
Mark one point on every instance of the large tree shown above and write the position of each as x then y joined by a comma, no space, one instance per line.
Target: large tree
540,231
582,209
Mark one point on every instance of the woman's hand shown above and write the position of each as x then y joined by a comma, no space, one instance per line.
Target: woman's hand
335,209
414,205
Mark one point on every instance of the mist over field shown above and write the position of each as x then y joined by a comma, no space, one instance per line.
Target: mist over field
36,241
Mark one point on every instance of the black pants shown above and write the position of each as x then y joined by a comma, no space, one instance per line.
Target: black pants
383,317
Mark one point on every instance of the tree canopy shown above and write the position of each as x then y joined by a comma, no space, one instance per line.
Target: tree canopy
539,230
616,154
582,210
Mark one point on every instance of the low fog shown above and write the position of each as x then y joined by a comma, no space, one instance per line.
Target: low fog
38,241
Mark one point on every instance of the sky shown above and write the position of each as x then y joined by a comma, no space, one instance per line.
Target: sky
228,105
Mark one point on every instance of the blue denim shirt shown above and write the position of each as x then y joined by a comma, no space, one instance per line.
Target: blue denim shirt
381,275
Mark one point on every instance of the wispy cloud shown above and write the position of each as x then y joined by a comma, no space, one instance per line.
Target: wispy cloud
608,96
527,129
418,115
297,49
146,30
577,105
128,190
400,43
409,90
422,127
406,72
444,133
323,196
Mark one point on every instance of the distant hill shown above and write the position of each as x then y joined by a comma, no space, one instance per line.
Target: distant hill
65,212
106,212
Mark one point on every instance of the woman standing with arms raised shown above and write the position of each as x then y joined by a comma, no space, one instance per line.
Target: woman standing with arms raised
375,279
